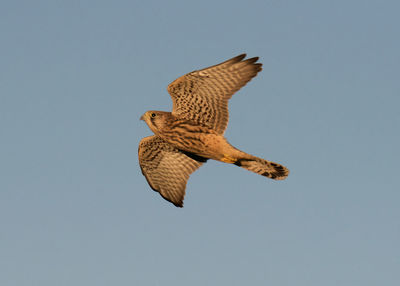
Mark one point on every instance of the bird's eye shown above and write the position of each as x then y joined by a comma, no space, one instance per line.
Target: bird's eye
153,115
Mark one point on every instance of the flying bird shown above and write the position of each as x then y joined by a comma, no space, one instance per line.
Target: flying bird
194,131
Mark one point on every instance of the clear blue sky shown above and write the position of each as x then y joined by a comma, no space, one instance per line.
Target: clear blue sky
75,76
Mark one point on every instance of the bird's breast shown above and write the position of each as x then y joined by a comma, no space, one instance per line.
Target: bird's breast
193,138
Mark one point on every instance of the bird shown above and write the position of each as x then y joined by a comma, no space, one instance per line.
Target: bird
193,132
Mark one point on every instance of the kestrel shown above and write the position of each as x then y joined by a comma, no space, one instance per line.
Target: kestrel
194,131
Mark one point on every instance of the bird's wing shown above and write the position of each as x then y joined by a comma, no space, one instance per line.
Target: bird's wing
202,95
166,168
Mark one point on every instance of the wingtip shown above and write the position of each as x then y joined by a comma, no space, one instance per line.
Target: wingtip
179,204
258,67
252,60
238,58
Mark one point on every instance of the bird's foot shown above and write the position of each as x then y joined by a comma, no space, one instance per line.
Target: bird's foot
228,159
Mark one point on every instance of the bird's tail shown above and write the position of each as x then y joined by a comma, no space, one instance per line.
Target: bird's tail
262,167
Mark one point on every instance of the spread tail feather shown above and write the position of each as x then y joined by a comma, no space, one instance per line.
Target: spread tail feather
263,167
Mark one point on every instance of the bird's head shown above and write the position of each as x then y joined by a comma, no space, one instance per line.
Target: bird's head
155,119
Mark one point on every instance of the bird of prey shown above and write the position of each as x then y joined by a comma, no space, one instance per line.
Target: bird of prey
194,131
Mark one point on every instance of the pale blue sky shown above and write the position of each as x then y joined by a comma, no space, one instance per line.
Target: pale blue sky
75,76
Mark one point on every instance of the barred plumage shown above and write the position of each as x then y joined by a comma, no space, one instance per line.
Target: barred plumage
193,132
166,168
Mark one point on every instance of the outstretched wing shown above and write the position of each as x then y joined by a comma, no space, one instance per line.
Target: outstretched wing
202,95
166,168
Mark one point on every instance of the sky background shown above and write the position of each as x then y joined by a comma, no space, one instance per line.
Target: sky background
75,76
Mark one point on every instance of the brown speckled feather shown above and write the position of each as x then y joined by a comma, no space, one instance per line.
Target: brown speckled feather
166,168
202,95
193,132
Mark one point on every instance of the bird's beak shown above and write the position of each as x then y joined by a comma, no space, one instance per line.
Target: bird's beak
142,117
